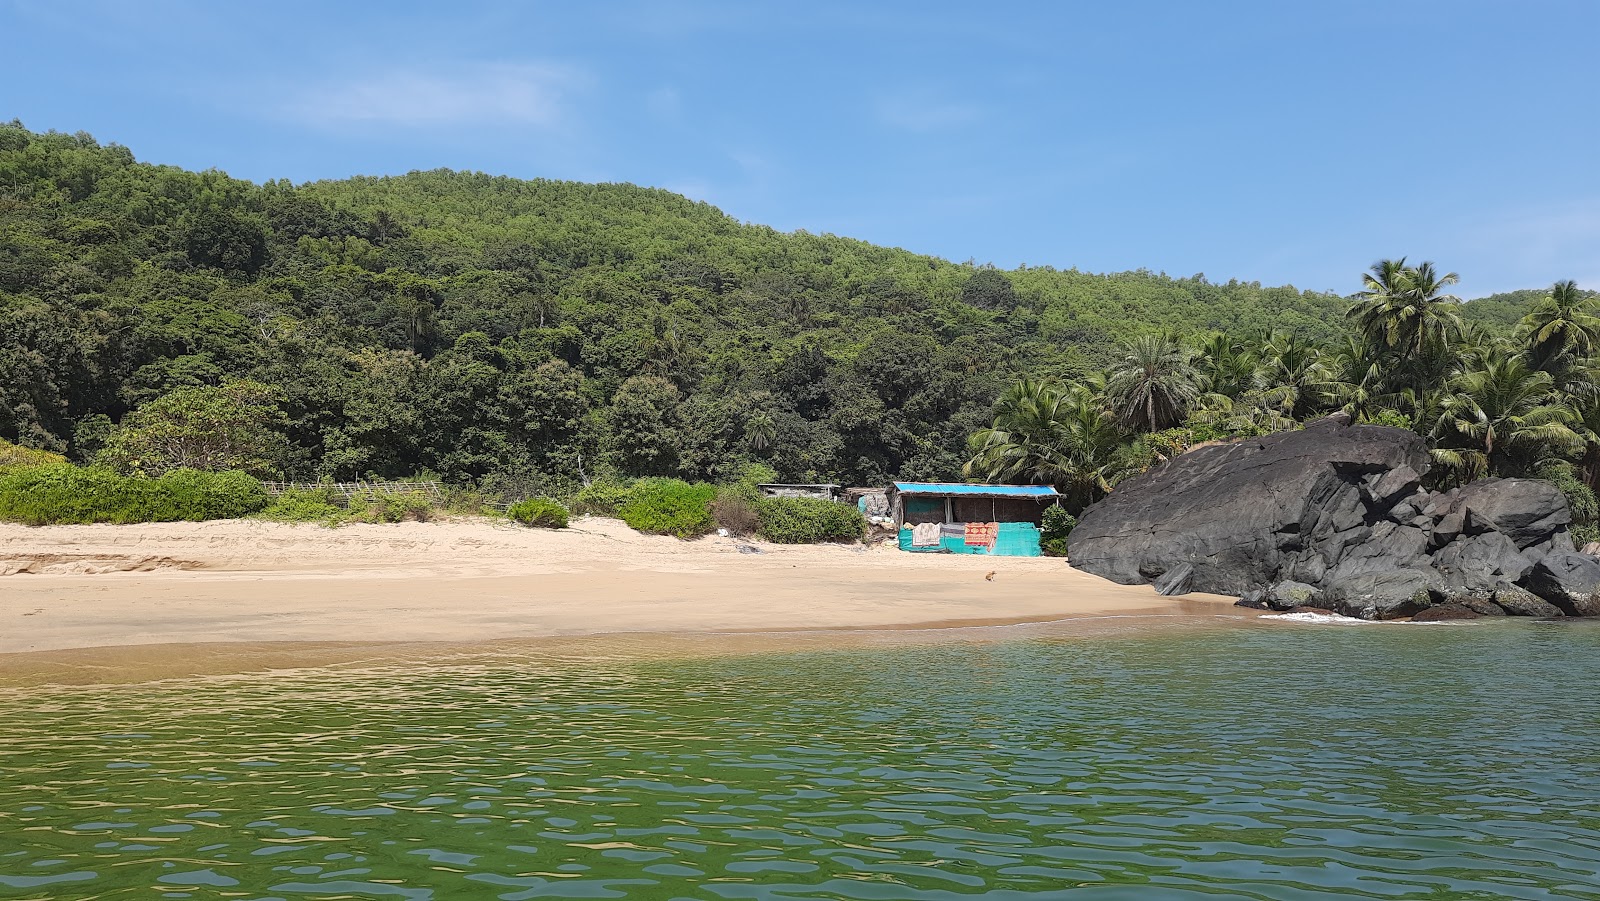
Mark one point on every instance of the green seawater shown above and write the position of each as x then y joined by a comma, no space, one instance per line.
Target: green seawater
1282,762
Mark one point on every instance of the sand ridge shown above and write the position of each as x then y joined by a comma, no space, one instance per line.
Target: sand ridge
482,580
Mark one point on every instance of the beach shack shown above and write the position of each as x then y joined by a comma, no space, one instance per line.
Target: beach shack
949,518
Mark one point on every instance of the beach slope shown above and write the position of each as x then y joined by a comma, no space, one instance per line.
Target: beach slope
474,580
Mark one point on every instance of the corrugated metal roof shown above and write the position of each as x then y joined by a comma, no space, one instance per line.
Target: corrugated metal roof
952,488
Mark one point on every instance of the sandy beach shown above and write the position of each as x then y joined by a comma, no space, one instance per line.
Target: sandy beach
70,587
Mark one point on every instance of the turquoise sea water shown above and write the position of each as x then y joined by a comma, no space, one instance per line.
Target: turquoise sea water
1285,762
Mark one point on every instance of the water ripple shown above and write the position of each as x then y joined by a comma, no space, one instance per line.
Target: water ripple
1271,764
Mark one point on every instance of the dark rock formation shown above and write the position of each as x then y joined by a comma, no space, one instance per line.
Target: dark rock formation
1567,581
1335,516
1519,601
1174,581
1255,599
1445,612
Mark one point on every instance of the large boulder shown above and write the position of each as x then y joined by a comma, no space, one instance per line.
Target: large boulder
1391,594
1246,513
1339,508
1568,581
1518,601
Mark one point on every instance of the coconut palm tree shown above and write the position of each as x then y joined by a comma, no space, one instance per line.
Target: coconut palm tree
1294,375
1404,308
1227,365
1155,385
1042,435
1357,381
1503,418
1560,328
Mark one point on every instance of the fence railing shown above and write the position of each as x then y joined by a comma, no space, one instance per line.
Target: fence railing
351,489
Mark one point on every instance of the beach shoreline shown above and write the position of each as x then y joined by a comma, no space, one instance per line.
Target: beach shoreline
83,592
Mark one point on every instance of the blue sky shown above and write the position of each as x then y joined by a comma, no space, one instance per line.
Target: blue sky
1284,142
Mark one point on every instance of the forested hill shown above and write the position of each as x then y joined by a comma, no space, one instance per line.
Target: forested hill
533,332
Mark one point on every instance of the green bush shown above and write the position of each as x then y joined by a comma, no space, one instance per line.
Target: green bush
66,494
17,455
380,507
197,496
669,507
304,505
602,498
1585,509
538,511
807,520
1053,531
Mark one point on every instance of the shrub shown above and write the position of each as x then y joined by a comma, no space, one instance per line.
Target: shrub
1585,509
197,496
602,498
377,507
669,507
538,511
304,505
1392,418
1053,531
806,520
66,494
736,510
17,455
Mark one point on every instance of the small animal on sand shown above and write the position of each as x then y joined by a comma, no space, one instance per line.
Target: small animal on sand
990,576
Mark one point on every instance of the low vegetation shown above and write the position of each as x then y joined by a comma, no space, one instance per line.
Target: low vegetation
540,512
1054,530
64,494
669,507
806,520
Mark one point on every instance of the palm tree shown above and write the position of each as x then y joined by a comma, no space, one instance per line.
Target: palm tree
1404,308
1293,374
1503,418
1357,378
1561,327
760,431
1042,435
1228,367
1156,384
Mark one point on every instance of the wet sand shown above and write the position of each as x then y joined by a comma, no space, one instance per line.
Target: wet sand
211,597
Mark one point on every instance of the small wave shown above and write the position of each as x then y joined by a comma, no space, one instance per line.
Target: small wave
1326,619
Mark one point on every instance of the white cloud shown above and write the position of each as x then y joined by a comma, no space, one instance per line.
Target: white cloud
526,93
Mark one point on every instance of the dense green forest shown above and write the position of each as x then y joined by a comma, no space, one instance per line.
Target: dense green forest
530,336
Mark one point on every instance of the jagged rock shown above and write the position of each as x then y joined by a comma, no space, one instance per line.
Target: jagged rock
1445,612
1592,549
1255,599
1480,560
1383,490
1175,581
1567,581
1518,601
1337,507
1245,513
1384,595
1527,511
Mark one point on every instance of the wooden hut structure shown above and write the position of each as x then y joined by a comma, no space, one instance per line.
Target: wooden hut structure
942,517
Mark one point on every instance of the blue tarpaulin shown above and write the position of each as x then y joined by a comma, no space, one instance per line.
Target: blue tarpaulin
953,489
